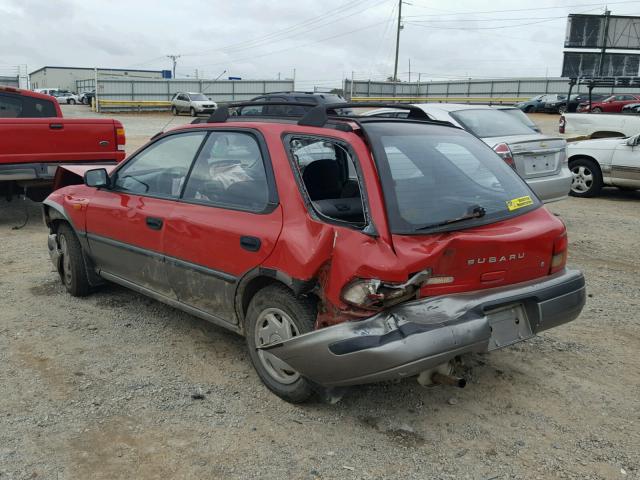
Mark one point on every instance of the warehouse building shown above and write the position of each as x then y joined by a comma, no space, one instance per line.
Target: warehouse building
65,78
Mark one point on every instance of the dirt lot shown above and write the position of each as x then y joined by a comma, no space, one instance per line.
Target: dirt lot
117,386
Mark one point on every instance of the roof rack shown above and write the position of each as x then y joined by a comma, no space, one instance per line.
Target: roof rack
319,115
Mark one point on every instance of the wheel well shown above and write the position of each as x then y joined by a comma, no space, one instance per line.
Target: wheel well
585,157
606,134
253,286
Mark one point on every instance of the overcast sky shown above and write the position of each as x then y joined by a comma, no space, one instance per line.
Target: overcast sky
323,40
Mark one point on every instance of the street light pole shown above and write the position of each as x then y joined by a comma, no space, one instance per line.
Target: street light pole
395,67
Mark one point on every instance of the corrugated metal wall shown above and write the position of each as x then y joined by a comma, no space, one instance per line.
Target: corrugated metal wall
10,81
164,90
498,90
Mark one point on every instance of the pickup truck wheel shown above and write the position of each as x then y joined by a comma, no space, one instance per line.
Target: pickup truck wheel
174,110
275,314
193,112
72,272
587,179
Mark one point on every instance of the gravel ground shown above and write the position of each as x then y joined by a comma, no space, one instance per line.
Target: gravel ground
118,386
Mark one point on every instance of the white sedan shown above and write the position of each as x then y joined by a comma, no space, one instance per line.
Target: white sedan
605,161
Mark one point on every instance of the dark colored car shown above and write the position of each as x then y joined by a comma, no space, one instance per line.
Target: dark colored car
539,102
611,104
347,250
560,105
281,98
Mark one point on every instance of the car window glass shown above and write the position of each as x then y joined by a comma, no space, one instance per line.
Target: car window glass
628,97
10,107
229,172
18,106
161,168
489,123
330,179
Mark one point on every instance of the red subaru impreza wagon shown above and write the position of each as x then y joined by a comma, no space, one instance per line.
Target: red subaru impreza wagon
345,249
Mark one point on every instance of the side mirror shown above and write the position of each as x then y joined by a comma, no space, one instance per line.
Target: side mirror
97,178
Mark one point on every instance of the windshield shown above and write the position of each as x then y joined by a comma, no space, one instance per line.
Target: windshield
485,123
433,176
198,97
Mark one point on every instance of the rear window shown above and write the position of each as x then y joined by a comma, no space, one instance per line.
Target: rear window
432,176
18,106
485,123
520,116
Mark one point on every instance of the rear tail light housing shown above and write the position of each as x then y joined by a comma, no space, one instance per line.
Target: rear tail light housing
559,256
375,294
504,151
121,139
561,124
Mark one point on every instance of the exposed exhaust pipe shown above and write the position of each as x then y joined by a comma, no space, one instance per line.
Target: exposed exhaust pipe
441,379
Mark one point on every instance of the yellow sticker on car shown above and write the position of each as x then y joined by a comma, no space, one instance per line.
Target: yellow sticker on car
519,202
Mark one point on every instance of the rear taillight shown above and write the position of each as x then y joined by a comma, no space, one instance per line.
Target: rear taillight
121,140
559,257
561,124
504,151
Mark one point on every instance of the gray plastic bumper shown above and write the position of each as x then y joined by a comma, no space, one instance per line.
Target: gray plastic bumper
415,336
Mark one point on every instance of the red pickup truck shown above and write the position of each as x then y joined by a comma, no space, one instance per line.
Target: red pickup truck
35,140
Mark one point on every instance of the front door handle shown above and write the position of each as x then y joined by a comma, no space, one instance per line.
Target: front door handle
154,223
56,126
250,243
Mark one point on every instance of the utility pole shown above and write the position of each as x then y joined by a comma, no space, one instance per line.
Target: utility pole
604,42
395,68
174,60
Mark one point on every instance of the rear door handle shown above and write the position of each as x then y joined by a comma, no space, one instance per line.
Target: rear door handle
250,243
56,126
154,223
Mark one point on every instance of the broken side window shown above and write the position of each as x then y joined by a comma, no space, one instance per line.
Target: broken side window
329,174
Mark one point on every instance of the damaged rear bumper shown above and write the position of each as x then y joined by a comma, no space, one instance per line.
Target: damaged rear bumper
419,335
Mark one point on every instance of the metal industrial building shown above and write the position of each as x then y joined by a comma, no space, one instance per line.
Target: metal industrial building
65,78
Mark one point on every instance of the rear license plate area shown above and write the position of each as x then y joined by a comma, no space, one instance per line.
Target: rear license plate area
539,164
509,325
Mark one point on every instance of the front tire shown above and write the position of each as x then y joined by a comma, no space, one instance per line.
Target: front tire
562,109
529,109
71,101
587,178
174,111
276,314
193,112
596,110
72,271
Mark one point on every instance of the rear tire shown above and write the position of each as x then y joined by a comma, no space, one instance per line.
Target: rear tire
72,101
174,110
587,178
274,314
72,270
562,110
529,109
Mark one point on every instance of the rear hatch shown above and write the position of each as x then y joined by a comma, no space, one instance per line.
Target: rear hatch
534,155
456,208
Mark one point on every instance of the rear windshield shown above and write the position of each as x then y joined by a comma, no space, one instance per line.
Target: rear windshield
433,176
520,116
485,123
18,106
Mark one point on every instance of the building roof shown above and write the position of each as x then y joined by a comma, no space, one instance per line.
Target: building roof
93,68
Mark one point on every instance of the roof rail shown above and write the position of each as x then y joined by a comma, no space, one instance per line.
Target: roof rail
319,116
222,113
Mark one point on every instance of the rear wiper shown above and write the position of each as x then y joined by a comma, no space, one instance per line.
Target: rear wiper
475,211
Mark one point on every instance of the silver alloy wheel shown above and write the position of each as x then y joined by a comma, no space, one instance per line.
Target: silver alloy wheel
582,179
274,325
66,260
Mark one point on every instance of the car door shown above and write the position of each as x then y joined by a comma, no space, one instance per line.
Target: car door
625,164
183,102
226,223
126,223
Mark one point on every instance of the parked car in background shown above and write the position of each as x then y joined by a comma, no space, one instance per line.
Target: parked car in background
86,98
631,108
599,126
64,96
540,159
192,102
560,106
282,98
36,140
46,91
539,103
612,104
608,161
408,245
